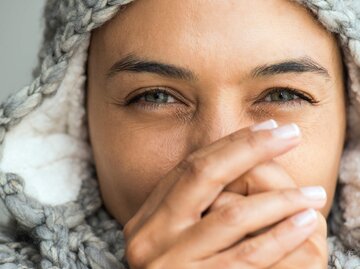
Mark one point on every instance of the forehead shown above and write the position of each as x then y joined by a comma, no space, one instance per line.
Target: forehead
224,33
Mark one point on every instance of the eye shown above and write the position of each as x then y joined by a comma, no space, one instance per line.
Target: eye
286,95
153,97
157,96
281,96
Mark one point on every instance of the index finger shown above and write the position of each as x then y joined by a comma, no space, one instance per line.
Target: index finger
203,178
163,187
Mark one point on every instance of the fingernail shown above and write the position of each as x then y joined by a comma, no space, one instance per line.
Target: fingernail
265,125
287,131
304,218
314,193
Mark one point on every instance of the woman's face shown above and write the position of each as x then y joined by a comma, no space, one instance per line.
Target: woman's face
224,66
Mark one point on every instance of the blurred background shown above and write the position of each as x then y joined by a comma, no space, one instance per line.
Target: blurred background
20,39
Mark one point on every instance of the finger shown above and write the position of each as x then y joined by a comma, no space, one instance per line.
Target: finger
204,178
267,176
313,250
224,227
163,187
224,198
271,176
266,249
263,177
178,214
266,125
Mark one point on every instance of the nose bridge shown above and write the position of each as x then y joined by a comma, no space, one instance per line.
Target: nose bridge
216,120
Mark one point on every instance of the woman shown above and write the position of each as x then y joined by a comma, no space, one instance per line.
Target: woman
214,129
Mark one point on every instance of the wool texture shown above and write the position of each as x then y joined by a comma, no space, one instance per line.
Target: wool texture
44,143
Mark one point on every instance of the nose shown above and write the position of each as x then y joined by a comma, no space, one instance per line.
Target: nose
216,120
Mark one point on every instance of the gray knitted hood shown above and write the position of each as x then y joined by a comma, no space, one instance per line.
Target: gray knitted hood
51,213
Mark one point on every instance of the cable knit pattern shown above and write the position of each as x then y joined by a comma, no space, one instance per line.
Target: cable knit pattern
80,233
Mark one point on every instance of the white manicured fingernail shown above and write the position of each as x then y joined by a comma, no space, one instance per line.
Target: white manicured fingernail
314,193
265,125
304,218
287,131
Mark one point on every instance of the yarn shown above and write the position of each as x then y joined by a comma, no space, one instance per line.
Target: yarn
80,233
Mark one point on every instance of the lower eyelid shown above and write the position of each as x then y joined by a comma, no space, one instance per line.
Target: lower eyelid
283,104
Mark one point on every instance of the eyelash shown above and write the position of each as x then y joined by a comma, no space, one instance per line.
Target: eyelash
301,98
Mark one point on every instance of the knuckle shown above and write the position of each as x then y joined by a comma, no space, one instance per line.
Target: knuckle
184,163
234,136
224,198
246,250
198,169
136,252
287,197
277,244
231,214
252,141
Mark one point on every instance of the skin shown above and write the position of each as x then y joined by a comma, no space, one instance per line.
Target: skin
135,146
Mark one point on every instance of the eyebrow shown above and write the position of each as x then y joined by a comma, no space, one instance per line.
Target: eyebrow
133,63
301,65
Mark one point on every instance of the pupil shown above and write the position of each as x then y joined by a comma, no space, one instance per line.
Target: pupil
281,96
157,97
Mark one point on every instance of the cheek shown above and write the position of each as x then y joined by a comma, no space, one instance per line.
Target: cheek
316,160
132,163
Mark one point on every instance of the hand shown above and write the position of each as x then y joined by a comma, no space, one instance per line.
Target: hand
312,254
268,177
174,235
